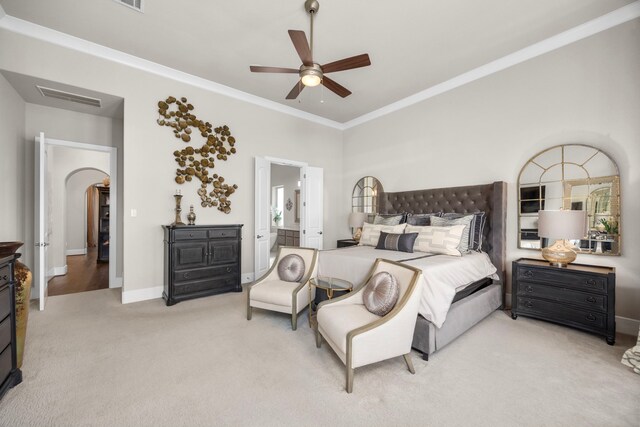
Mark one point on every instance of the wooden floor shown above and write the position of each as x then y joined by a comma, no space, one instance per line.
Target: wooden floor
83,274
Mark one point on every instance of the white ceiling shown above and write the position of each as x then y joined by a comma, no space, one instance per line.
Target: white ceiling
413,44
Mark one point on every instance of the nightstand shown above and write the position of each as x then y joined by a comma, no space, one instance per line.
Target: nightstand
346,243
580,296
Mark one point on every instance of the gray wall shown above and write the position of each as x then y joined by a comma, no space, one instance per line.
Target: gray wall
76,208
12,116
587,92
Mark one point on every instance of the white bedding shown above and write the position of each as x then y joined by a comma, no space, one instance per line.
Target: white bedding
443,275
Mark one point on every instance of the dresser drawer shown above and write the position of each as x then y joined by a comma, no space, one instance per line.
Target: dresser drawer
187,234
5,332
204,273
547,310
567,278
223,233
5,363
4,275
214,285
586,300
5,302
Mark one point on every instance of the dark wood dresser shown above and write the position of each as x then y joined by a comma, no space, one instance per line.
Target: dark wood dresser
10,375
580,296
345,243
288,237
201,260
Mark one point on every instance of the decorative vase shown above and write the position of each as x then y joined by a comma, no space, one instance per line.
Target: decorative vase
600,227
191,216
23,294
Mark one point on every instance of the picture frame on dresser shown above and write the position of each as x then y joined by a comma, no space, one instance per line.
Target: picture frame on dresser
580,296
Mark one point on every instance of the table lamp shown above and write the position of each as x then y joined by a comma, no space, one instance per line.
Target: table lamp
356,221
563,225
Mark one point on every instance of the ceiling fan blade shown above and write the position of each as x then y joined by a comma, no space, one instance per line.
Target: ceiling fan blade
301,44
347,64
296,90
260,69
335,87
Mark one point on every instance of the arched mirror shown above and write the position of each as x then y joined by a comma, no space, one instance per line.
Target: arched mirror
574,177
365,195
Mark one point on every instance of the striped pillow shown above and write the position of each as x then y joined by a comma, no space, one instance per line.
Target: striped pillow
371,232
466,220
438,240
475,230
397,242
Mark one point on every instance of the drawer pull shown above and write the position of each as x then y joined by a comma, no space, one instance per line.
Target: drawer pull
5,277
591,317
228,269
528,289
591,299
528,304
528,274
185,275
590,282
190,234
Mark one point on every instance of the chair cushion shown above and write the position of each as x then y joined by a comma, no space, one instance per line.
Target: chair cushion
276,292
291,268
381,293
338,320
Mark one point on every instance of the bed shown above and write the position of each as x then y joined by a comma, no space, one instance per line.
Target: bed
461,304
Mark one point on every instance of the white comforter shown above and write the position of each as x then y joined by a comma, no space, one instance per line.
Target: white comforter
443,275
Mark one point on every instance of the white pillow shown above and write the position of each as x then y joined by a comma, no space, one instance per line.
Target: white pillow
371,232
437,240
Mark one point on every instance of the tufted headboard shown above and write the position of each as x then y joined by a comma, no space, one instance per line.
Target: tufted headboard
490,198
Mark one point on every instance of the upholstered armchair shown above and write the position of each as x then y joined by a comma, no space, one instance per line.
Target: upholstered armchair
284,287
360,337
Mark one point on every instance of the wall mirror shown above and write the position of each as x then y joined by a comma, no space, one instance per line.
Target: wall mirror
365,195
575,177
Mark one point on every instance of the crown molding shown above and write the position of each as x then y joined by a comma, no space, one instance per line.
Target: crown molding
49,35
595,26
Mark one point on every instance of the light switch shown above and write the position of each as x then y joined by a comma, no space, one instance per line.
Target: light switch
134,213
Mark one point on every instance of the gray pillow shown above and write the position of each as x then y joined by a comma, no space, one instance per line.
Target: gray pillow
389,219
421,219
291,268
466,220
381,293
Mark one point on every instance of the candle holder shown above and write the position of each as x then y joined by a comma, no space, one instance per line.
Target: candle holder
178,220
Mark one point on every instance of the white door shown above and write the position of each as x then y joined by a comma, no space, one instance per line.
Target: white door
41,219
262,217
311,215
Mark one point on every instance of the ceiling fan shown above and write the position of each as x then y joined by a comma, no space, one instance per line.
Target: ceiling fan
311,73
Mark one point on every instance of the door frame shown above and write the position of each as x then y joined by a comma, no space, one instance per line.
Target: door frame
113,200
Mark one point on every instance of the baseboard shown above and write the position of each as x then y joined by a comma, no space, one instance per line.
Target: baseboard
247,278
624,325
57,271
627,326
141,294
117,283
76,251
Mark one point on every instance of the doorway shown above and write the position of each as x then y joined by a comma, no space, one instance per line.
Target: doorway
86,233
306,202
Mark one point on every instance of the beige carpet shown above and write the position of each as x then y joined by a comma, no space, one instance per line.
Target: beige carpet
92,361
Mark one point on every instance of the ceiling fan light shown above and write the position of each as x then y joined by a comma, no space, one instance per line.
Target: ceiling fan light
311,80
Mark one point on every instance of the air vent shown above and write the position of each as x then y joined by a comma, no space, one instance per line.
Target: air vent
133,4
68,96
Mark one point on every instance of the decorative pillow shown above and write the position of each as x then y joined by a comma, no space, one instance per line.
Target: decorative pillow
438,240
421,219
371,232
394,219
466,220
397,242
291,268
475,230
381,293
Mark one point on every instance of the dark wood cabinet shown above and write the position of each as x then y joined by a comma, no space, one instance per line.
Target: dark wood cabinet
288,237
580,296
10,375
201,260
103,224
344,243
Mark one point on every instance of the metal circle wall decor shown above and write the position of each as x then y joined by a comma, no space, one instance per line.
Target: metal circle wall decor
197,162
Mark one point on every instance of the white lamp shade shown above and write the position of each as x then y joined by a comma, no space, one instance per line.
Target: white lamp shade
356,219
562,224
